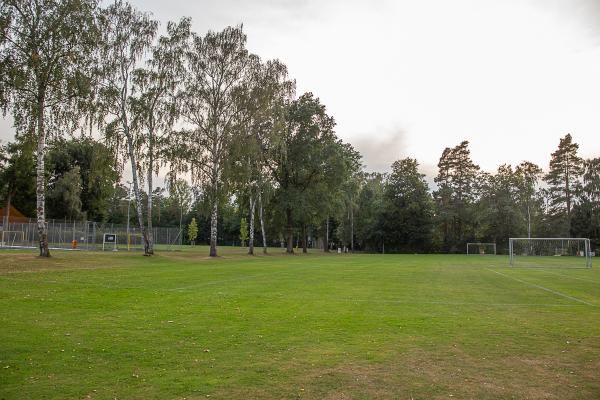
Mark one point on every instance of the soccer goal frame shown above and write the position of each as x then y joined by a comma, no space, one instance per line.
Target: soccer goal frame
480,248
133,244
11,243
550,252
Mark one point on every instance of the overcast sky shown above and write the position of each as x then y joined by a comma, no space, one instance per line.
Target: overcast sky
408,78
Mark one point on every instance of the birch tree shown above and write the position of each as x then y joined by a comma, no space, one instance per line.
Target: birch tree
216,66
261,111
155,105
43,63
127,35
528,175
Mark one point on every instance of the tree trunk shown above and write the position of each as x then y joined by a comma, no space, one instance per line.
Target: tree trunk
528,222
40,183
136,190
304,240
351,228
290,231
6,221
180,222
149,212
326,244
262,223
251,228
213,228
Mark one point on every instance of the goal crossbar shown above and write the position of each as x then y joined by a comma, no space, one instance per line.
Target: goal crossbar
551,252
12,239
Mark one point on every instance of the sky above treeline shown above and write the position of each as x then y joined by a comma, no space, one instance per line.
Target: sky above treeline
409,78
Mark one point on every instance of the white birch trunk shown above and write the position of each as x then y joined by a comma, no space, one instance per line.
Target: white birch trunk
262,223
251,228
41,184
213,228
149,212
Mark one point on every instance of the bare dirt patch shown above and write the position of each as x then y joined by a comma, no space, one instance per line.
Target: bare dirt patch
451,374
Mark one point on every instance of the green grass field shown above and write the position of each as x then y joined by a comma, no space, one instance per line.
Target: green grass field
180,325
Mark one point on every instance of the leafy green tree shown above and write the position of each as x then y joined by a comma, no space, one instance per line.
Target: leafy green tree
244,231
564,182
99,173
305,157
260,101
456,197
585,221
44,59
528,176
407,215
65,193
500,199
127,35
17,175
155,107
216,67
369,212
181,193
192,231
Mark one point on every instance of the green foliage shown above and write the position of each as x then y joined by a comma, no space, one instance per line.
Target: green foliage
244,233
585,219
17,175
563,179
65,194
192,231
370,232
407,214
309,164
499,211
98,175
457,181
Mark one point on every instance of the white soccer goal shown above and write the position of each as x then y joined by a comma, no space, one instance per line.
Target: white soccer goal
481,249
13,239
550,252
135,241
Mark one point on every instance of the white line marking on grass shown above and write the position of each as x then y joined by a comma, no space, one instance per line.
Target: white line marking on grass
572,277
566,296
460,303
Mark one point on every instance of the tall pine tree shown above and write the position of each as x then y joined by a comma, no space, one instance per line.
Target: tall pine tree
564,183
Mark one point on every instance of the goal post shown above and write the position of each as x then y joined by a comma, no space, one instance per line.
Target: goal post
550,252
479,248
135,241
13,239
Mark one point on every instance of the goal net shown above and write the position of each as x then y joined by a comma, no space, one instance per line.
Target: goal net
12,239
135,241
481,249
550,252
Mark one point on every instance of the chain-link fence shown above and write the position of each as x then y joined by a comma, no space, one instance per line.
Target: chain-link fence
86,235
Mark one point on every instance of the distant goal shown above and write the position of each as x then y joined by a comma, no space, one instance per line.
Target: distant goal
550,252
482,249
12,239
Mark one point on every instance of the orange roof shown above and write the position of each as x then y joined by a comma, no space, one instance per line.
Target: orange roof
15,216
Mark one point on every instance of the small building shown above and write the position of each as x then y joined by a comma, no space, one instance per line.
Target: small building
14,216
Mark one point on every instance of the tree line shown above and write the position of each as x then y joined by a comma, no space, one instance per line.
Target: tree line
398,212
93,90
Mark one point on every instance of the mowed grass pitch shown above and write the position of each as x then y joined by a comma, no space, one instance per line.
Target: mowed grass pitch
180,325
